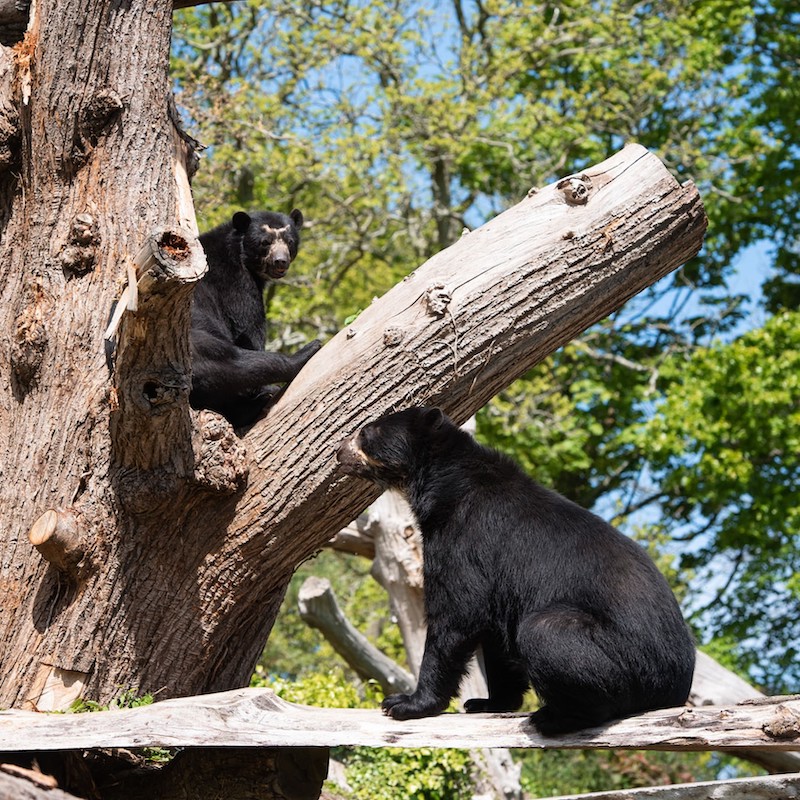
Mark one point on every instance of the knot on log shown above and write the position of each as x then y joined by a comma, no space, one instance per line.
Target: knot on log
785,724
168,259
220,458
99,112
161,392
437,298
79,256
56,534
29,340
392,336
576,189
146,491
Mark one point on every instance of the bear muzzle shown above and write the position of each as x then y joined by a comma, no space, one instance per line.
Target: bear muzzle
352,459
276,264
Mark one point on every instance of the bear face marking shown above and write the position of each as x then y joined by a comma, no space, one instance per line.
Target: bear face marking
267,249
366,455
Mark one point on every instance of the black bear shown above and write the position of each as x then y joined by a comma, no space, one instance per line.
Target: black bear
555,597
231,372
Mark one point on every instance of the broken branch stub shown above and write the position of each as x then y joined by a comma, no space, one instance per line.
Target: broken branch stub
150,423
56,535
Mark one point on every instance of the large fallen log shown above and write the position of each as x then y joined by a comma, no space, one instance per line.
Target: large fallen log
258,718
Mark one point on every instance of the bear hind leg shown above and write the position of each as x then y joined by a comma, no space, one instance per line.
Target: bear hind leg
580,686
506,679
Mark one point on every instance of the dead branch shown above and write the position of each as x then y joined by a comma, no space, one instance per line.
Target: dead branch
318,608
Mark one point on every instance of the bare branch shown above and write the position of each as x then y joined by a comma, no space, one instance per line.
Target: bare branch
318,608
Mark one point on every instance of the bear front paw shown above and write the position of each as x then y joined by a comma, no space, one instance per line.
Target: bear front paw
404,706
306,351
393,705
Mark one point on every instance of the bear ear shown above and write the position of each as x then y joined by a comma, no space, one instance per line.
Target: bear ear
433,418
297,218
241,221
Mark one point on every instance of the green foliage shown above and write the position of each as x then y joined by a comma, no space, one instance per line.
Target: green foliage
393,125
546,773
381,773
723,446
295,650
130,698
425,774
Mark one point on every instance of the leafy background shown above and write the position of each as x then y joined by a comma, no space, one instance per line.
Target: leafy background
395,124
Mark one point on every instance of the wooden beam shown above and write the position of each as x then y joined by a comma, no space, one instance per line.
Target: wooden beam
770,787
257,718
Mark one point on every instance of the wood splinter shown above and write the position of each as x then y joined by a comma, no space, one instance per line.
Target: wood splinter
56,536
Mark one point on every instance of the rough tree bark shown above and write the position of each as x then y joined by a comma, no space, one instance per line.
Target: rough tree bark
176,538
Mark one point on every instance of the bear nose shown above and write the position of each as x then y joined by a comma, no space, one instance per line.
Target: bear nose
281,264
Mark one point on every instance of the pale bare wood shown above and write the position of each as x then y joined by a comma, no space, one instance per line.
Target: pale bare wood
397,567
17,787
318,608
57,537
715,685
257,718
353,539
771,787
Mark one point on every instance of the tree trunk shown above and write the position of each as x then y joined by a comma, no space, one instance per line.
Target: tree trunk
143,545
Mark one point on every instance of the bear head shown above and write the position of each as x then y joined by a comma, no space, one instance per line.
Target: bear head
266,241
392,448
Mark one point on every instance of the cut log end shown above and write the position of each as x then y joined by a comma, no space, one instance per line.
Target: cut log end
56,535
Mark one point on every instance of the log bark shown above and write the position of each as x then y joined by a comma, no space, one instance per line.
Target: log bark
191,534
101,169
257,718
289,773
14,17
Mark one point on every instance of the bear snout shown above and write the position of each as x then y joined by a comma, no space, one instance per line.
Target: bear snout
277,269
278,259
347,455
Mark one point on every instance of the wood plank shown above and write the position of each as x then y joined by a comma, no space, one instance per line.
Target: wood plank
770,787
257,718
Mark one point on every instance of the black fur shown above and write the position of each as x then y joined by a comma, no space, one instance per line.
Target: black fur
556,598
231,372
